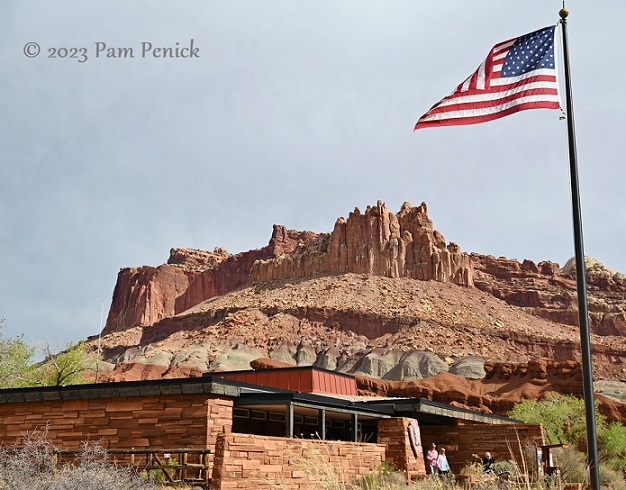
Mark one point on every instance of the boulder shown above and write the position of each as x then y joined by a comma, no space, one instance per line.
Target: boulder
472,367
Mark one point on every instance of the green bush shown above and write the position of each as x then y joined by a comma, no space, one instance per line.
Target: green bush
613,445
564,422
69,365
15,360
562,417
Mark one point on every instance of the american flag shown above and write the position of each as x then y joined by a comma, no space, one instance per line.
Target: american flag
518,74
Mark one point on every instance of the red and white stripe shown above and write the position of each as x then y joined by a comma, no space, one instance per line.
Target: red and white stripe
485,96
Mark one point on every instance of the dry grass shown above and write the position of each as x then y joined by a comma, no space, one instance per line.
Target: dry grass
321,474
32,465
509,475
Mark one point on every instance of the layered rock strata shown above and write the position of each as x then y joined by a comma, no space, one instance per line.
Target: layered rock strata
547,291
376,242
145,295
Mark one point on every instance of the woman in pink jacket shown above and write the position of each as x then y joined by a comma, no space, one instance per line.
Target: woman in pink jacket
431,459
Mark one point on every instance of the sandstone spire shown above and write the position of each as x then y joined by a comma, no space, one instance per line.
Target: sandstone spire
376,242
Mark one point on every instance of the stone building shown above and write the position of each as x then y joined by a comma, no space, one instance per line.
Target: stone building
260,426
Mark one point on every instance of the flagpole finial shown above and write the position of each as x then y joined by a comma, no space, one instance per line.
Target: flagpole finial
563,13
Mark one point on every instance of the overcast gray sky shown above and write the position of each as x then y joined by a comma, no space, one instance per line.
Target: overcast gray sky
294,113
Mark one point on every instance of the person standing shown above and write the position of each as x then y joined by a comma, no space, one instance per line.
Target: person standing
431,459
442,462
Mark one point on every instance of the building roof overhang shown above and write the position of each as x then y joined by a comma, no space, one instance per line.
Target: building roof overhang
249,395
178,386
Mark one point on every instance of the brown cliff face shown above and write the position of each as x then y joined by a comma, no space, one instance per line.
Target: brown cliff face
376,242
362,323
545,290
146,295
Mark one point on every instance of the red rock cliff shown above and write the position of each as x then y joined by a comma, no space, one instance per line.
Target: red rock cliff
547,291
375,242
146,295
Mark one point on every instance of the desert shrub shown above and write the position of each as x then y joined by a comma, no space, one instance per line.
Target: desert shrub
21,466
387,468
610,478
158,475
564,421
31,465
574,469
387,478
529,453
572,464
505,466
379,481
474,470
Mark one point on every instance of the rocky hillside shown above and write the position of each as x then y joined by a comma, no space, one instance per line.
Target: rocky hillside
383,295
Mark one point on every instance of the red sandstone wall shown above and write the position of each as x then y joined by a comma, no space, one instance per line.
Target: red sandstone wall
155,422
394,434
462,441
265,463
145,295
220,419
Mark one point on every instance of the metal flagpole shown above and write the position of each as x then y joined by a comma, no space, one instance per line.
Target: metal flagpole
581,285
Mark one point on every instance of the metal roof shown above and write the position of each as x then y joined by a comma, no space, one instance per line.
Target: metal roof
208,385
307,379
246,394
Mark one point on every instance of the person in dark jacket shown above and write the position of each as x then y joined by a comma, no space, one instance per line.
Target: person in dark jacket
488,461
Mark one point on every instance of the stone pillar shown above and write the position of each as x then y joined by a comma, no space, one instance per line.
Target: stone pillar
404,446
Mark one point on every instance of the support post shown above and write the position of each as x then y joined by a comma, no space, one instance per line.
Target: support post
354,430
289,420
321,424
